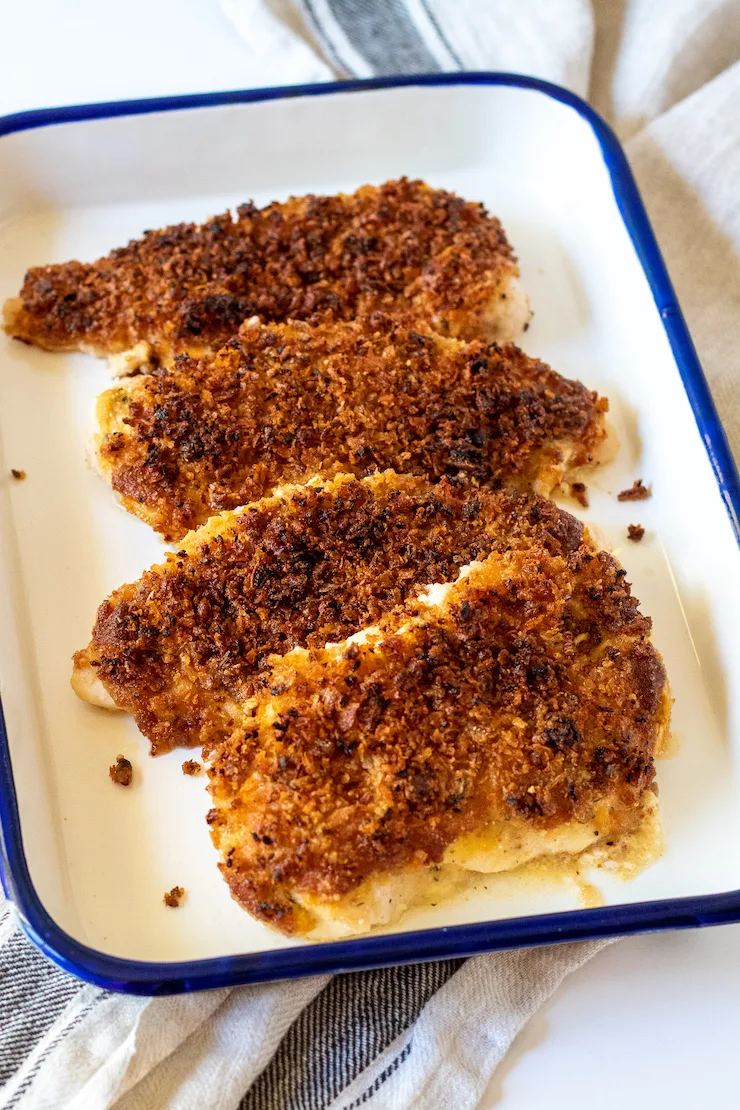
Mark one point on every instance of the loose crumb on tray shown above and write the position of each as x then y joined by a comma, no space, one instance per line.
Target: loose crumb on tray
579,491
19,475
635,532
191,767
172,898
637,492
121,771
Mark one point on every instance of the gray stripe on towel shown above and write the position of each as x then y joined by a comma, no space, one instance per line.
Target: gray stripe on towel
49,1048
341,1032
384,34
33,993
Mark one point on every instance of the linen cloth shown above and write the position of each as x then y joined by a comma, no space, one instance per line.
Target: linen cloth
666,74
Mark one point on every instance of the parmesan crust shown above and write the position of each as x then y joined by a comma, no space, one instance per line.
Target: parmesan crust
184,646
516,717
401,246
283,401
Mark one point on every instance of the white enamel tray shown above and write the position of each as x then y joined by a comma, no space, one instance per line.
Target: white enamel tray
85,863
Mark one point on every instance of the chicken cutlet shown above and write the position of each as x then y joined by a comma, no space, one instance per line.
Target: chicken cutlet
182,648
398,246
515,717
281,402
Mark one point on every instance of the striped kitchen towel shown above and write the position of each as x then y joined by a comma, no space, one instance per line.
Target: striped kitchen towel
429,1035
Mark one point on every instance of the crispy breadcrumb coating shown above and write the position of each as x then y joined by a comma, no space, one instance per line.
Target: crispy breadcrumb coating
285,401
185,645
530,694
399,246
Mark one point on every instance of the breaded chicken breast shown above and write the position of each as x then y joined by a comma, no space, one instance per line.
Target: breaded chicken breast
399,246
515,716
282,402
186,645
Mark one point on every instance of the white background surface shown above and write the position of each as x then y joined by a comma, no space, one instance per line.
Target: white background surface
652,1021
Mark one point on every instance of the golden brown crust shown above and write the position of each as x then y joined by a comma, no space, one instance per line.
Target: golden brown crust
185,645
532,692
401,245
284,401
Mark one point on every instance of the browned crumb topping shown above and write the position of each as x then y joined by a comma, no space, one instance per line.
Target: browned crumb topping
635,532
579,491
19,475
173,897
637,492
533,693
121,771
401,245
281,402
191,767
180,648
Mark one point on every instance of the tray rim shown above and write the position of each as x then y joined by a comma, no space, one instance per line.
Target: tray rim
155,978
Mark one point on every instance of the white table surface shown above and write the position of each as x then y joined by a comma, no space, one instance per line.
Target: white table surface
650,1022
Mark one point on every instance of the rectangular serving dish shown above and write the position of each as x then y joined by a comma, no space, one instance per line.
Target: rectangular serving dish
85,863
